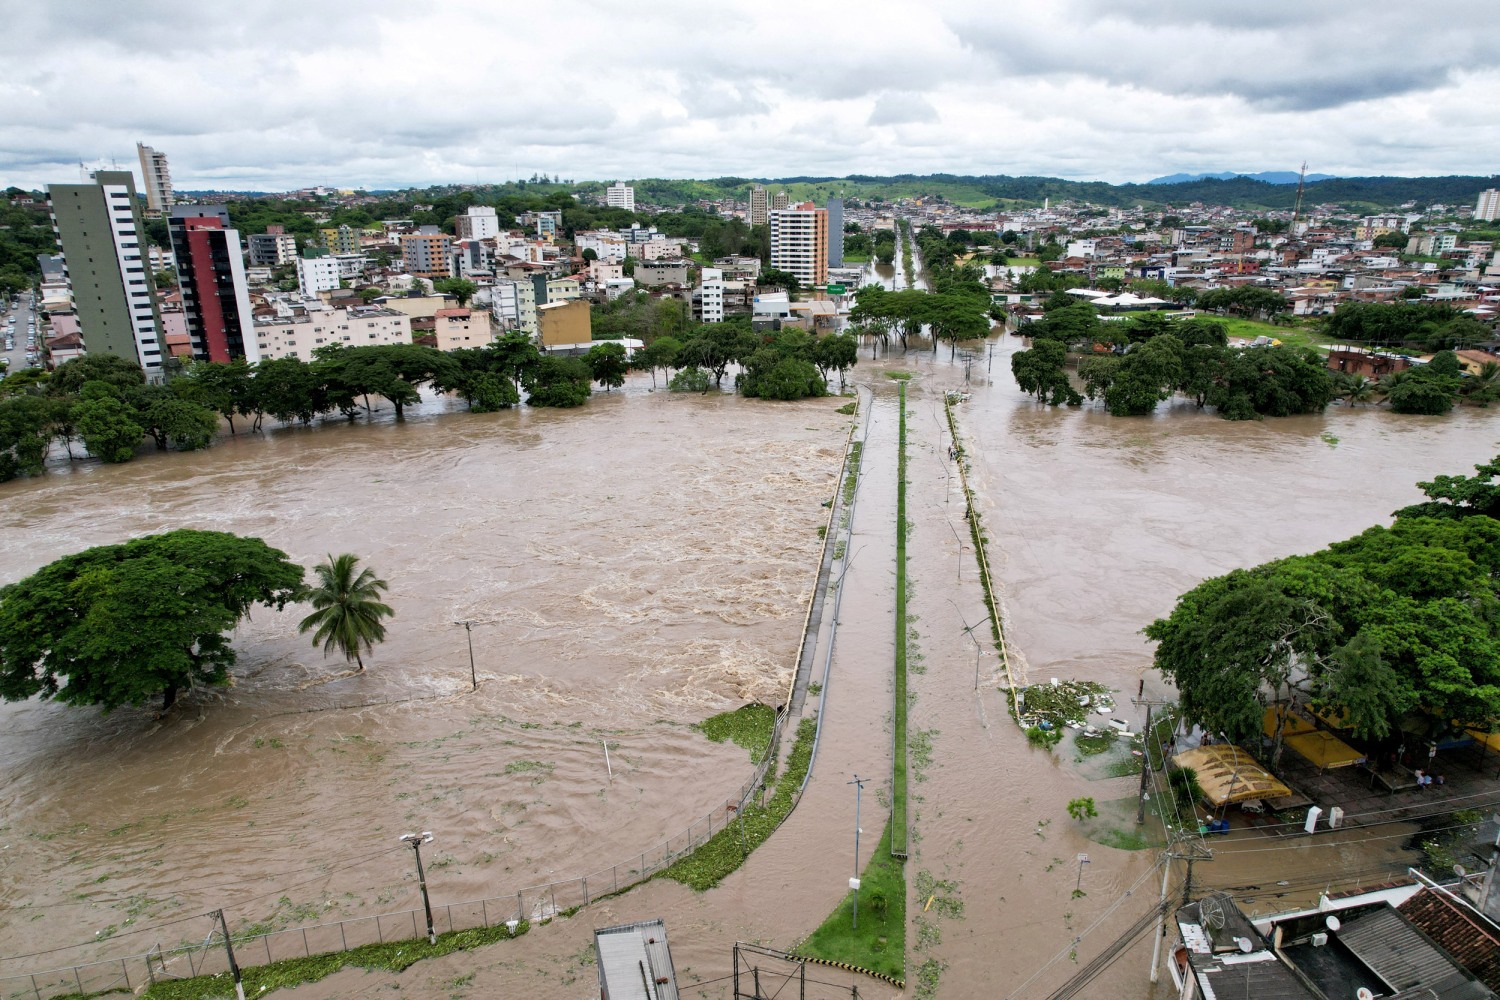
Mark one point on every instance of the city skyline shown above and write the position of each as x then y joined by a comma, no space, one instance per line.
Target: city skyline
279,96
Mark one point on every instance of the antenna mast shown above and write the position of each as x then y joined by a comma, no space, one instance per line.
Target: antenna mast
1301,186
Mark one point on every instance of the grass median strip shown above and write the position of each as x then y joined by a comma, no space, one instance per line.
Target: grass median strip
898,838
749,726
878,944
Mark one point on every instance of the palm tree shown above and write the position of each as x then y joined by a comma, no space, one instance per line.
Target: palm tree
1359,390
347,608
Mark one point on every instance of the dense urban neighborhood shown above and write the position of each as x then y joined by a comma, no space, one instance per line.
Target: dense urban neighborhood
580,427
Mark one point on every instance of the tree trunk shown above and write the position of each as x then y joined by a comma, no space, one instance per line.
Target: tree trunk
400,410
360,660
169,697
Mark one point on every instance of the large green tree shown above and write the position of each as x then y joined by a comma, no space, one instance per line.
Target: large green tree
348,614
607,364
118,624
1394,623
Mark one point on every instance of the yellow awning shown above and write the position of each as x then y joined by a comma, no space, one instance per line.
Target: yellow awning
1491,740
1295,723
1228,774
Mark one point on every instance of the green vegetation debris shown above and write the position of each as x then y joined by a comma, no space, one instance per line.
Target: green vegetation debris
726,850
1063,702
749,727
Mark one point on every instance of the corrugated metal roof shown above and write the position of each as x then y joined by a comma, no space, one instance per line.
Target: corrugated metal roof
635,962
1406,959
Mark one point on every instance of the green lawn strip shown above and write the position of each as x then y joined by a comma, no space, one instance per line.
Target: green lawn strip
898,837
878,945
749,726
394,956
726,850
1023,262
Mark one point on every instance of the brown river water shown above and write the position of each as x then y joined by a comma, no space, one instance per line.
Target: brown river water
631,568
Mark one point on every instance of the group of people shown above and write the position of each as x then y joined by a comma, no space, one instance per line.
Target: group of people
1424,780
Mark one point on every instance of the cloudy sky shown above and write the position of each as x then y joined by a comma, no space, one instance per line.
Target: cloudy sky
277,94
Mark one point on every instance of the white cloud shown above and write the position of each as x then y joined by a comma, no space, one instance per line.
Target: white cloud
272,94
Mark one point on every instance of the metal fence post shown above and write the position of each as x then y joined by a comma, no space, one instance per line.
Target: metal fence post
78,977
35,988
485,912
585,881
413,923
267,941
126,971
520,908
342,939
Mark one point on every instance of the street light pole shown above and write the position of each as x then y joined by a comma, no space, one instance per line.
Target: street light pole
469,631
859,787
416,840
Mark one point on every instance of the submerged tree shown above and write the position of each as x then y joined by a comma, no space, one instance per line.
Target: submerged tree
347,609
118,624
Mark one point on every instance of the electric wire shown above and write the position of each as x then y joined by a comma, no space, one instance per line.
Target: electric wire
1109,910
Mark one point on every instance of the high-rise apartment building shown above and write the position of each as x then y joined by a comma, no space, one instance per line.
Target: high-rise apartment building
620,195
835,232
426,252
477,222
758,205
780,200
157,178
799,243
1488,208
316,274
343,240
211,274
272,248
708,297
103,241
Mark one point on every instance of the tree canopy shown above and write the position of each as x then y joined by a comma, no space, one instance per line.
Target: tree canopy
118,624
1392,623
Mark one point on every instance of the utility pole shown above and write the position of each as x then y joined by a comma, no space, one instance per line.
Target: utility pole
416,840
469,631
1140,807
859,787
1184,847
234,967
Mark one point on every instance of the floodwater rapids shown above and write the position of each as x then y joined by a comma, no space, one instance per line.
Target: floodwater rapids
630,568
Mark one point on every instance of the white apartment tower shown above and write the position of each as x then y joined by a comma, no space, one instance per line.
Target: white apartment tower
1488,208
103,242
478,222
620,195
799,243
710,295
758,205
317,274
157,178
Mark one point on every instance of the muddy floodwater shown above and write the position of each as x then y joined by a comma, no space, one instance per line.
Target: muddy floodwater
630,568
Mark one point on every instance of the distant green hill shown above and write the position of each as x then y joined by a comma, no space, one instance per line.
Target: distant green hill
1005,191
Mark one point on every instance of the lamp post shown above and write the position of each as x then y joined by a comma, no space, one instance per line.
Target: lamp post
859,786
469,631
416,840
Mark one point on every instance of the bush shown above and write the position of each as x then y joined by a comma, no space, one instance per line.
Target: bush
690,379
1044,738
1082,809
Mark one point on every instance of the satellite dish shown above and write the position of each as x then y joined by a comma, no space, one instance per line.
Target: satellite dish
1364,993
1212,914
1245,946
1332,923
1460,871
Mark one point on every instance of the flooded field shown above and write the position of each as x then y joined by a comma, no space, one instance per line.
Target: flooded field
630,569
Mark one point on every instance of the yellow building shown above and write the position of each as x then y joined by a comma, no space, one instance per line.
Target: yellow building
565,324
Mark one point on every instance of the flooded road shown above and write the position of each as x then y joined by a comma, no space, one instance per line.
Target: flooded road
632,568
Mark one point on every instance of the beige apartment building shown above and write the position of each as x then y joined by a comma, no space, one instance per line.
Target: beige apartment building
455,328
307,330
